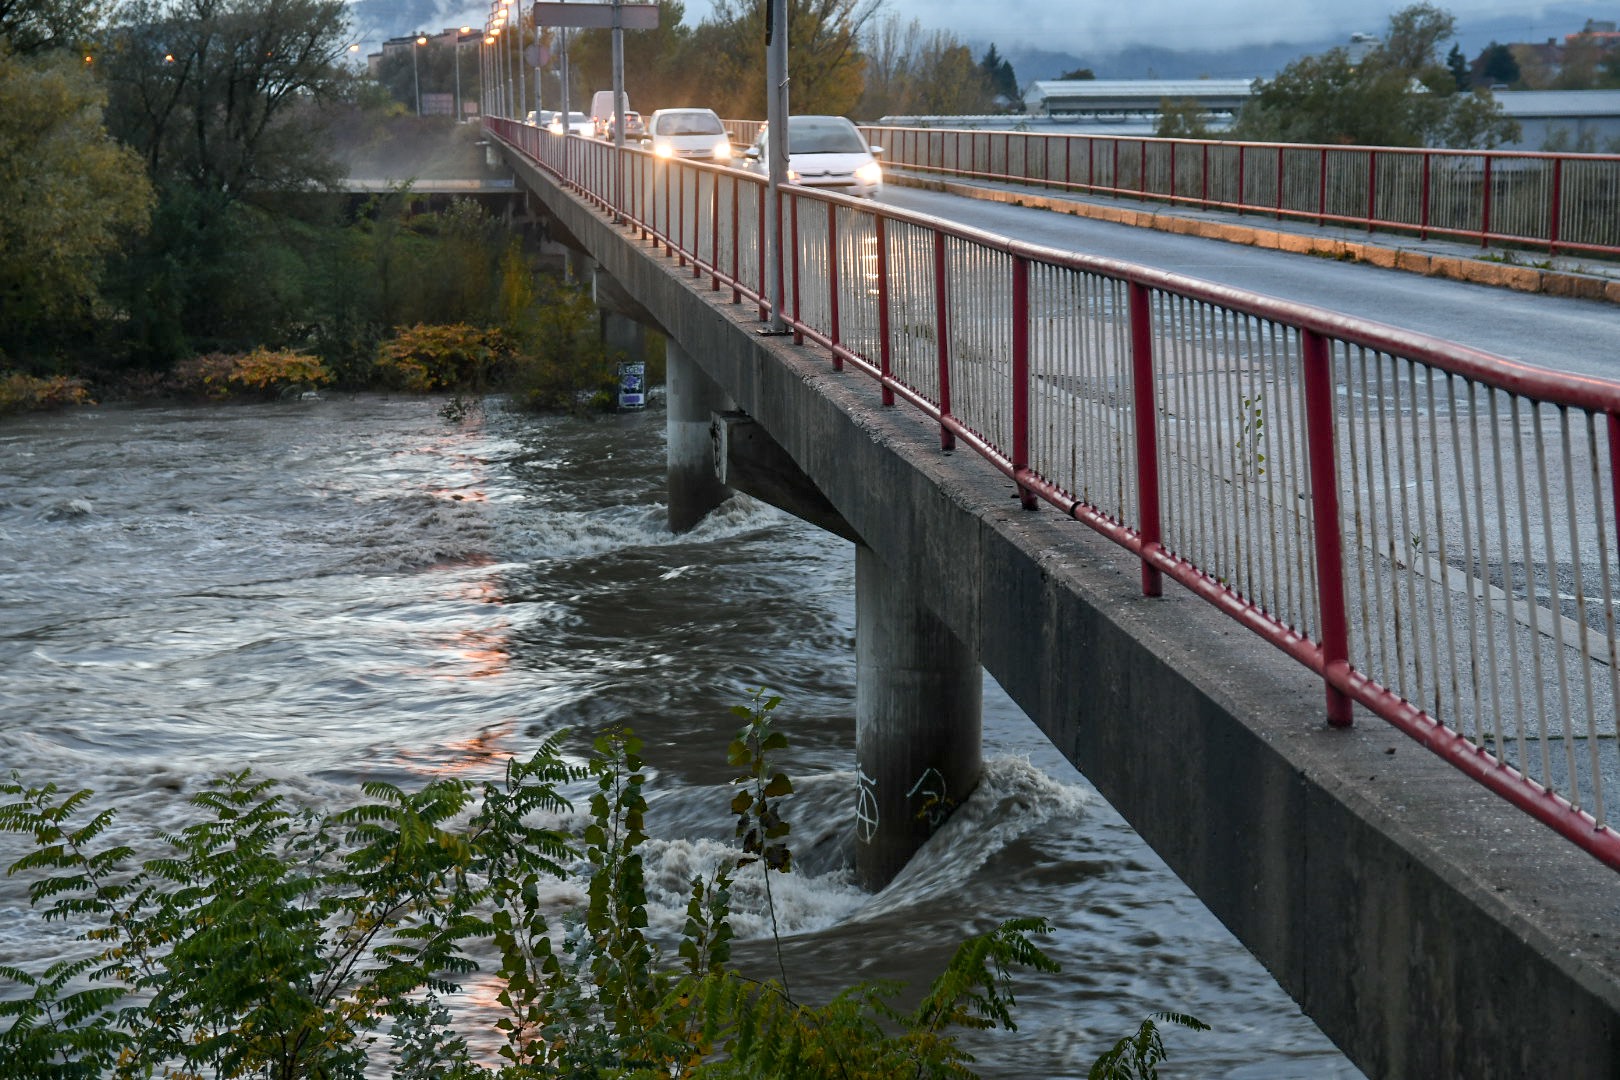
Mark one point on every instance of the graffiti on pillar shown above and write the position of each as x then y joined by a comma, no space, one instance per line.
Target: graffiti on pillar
934,794
866,807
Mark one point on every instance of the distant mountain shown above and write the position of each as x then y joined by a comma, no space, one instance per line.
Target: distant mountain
1157,62
1264,61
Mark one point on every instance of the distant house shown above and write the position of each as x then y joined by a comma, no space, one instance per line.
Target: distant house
1132,99
1582,121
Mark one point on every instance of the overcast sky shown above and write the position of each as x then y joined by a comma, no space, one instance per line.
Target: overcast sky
1096,27
1080,26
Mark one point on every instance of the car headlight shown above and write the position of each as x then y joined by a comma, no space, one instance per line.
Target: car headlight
722,150
664,150
870,173
556,128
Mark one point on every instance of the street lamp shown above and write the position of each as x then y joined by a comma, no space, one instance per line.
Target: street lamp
460,36
416,78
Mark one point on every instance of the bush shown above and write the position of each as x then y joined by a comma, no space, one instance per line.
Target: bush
426,358
260,373
274,940
28,393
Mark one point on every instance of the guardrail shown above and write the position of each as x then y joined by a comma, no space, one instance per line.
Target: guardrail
1430,528
1553,202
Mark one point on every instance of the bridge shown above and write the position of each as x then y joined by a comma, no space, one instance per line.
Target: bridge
1325,609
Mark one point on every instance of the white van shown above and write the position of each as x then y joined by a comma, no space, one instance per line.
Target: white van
602,111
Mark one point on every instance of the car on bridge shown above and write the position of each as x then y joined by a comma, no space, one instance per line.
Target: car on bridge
825,152
687,133
634,127
578,124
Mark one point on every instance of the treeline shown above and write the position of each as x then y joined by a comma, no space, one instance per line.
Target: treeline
847,57
166,220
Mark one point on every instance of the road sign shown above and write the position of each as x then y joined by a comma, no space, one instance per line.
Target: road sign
597,16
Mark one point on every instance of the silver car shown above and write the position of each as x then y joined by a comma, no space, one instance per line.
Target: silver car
687,133
823,152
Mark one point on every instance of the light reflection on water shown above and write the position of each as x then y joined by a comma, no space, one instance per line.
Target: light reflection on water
353,588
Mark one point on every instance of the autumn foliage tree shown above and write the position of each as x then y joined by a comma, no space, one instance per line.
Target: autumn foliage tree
824,55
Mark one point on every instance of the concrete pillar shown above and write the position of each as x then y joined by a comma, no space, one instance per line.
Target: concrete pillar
691,400
918,699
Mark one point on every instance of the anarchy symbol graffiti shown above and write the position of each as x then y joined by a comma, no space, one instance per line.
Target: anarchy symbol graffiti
866,807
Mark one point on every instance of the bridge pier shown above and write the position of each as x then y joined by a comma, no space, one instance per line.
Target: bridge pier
691,400
918,698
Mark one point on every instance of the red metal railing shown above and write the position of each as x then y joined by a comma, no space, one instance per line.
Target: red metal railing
1552,202
1430,528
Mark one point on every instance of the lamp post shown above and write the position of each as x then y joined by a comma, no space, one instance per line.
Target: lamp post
416,78
461,34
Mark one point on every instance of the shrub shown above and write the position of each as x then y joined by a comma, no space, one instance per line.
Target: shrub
260,373
426,358
28,393
273,940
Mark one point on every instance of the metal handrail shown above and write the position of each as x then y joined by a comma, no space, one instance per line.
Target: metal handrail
1430,528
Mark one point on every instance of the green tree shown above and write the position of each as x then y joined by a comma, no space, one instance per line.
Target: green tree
998,71
1078,75
222,95
1398,95
1457,64
824,58
661,70
1181,119
31,26
1496,64
69,196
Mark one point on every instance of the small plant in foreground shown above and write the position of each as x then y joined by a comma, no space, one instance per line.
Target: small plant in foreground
271,940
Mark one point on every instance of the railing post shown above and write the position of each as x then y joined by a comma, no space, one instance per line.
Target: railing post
942,341
1325,523
833,329
1321,188
1485,205
1555,211
736,242
764,286
1173,173
1423,230
1372,188
1020,378
798,313
1242,188
1280,154
885,356
1143,388
1203,184
714,232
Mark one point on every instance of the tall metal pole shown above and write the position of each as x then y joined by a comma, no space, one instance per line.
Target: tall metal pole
416,79
618,76
776,114
522,70
460,112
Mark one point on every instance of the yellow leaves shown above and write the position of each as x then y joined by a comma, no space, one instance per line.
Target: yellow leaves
25,393
262,371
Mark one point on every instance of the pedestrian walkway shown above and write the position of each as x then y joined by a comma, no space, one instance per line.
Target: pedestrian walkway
1584,277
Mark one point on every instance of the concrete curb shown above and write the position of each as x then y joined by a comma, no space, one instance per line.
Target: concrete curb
1456,268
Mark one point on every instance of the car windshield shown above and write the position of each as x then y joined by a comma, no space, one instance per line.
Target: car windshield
815,136
690,124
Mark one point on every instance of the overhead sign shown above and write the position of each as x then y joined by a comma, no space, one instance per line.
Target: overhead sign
597,16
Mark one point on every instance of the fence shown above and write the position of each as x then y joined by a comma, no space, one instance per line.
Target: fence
1553,202
1430,528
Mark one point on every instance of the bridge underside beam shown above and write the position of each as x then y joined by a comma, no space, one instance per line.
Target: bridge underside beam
1428,928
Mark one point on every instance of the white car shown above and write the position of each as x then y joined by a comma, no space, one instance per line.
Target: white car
687,133
578,124
823,152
